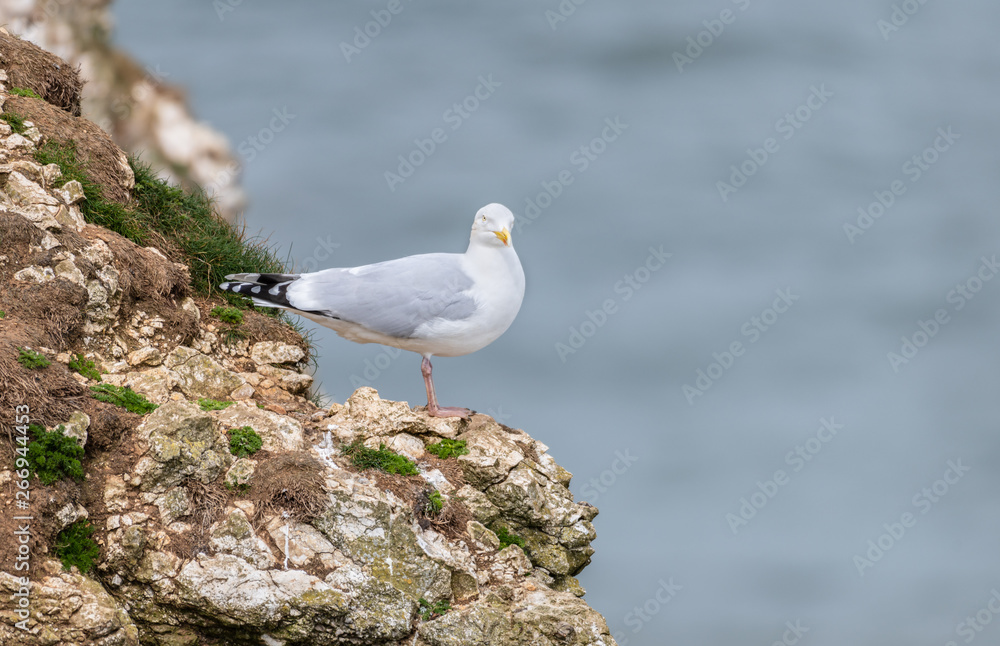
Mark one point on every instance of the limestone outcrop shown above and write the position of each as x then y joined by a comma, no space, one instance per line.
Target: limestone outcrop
137,105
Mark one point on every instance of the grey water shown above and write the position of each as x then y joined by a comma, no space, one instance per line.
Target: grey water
760,324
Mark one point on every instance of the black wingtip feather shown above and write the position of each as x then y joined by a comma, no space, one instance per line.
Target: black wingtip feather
276,293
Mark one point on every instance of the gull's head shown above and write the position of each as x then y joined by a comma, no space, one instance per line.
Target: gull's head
492,225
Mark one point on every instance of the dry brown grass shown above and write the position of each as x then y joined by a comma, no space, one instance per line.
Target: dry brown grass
208,502
450,521
51,393
31,67
110,426
289,483
52,312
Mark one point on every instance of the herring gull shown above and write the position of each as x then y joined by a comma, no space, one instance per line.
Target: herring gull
435,304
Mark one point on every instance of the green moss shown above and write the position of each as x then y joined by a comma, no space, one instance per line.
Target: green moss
75,547
430,610
447,448
213,404
244,441
32,360
15,121
506,538
52,456
229,315
434,503
3,314
231,336
233,317
23,91
209,245
238,487
383,459
85,367
124,397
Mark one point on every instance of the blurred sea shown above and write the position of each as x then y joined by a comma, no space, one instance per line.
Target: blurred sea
806,112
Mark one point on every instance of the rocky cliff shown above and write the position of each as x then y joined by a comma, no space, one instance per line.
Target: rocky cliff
212,501
144,113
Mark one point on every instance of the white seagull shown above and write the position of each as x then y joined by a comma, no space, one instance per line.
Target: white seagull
443,304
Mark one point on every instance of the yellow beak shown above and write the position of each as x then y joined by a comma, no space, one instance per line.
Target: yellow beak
504,235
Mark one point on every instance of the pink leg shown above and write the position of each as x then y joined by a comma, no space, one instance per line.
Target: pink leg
432,405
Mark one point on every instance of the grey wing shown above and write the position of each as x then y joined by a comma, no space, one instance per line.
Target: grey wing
393,297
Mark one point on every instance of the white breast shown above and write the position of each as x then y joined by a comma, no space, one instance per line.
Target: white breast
498,289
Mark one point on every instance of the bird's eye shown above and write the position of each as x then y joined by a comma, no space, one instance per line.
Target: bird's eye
484,218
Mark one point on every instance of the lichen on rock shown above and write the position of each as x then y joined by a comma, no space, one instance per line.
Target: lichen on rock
183,442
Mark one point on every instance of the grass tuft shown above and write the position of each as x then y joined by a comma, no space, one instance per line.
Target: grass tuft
32,360
507,539
383,459
319,398
209,245
447,448
213,404
229,315
54,456
232,317
15,121
238,487
124,397
23,91
434,503
289,484
75,547
85,367
244,441
430,611
231,336
96,210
